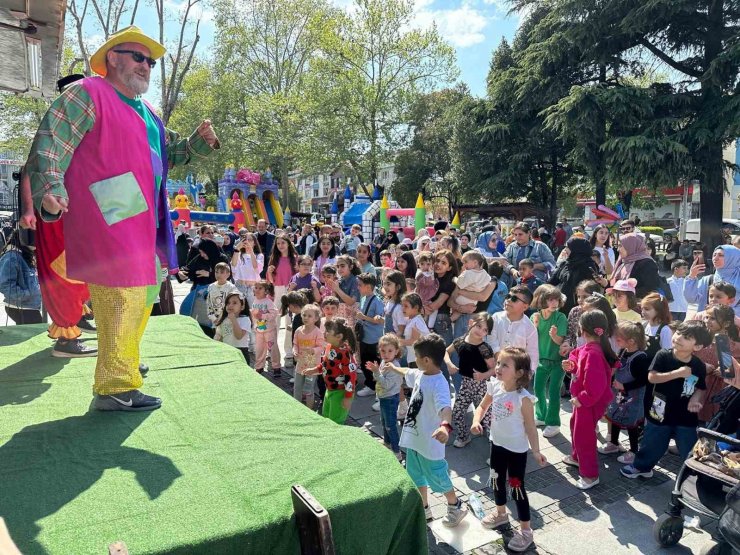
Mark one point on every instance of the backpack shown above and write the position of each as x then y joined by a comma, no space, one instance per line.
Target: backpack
653,343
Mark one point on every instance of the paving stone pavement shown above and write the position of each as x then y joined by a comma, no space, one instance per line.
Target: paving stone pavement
614,517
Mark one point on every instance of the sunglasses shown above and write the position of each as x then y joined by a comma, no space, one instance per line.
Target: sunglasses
514,298
626,228
138,57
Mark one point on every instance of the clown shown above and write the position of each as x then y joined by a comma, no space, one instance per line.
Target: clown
99,159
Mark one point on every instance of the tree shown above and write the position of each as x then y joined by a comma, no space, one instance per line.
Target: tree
265,50
426,163
676,130
373,67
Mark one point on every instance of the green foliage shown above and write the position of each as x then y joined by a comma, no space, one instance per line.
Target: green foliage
373,67
654,230
426,163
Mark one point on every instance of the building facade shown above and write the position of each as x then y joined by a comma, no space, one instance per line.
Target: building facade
9,162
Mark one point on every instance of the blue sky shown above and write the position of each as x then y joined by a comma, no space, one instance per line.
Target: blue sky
473,27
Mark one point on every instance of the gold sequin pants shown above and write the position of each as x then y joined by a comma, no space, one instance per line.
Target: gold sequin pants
121,314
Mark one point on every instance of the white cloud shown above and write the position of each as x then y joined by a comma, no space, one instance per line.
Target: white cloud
462,27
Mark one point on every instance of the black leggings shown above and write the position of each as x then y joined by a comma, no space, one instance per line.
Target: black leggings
368,353
505,462
632,433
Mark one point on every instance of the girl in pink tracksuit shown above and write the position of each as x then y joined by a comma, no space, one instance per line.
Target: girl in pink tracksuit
591,394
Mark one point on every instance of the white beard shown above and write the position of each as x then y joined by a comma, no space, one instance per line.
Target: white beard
136,83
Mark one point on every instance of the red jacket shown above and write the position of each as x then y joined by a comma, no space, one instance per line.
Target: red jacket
339,369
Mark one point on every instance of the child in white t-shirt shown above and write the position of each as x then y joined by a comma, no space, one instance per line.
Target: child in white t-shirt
427,426
218,291
513,431
234,325
415,327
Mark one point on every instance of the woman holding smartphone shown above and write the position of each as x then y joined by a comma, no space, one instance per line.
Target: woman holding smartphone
726,262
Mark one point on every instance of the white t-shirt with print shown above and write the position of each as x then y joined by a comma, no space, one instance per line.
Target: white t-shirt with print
430,395
416,323
507,422
226,331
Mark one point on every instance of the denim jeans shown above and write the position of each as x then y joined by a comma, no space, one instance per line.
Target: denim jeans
388,418
655,441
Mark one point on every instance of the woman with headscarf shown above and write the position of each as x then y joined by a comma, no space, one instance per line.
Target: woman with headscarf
726,262
201,270
635,262
487,244
577,267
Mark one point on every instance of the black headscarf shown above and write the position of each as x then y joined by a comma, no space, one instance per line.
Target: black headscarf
577,267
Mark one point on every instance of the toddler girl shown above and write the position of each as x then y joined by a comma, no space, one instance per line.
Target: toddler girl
476,363
552,326
339,369
590,394
308,345
512,433
415,326
264,315
234,325
427,284
388,387
627,410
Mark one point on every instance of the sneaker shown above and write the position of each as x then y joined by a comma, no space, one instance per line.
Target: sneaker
428,513
291,380
259,370
608,449
455,514
585,484
521,540
551,431
376,406
460,443
399,456
87,325
403,409
72,348
631,472
494,520
365,392
570,461
627,458
133,400
277,372
539,423
143,370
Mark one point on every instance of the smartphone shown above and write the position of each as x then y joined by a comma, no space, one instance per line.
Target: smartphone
699,257
724,355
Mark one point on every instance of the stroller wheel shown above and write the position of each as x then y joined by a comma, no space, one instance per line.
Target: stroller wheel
716,548
668,530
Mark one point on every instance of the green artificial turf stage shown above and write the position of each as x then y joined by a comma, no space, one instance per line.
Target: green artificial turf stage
210,472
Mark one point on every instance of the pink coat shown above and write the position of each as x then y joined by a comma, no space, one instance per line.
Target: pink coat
591,384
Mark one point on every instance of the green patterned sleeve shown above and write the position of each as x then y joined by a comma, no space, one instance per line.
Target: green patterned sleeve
182,151
62,129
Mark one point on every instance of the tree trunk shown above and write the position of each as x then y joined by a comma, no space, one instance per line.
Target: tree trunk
553,212
600,166
710,157
284,185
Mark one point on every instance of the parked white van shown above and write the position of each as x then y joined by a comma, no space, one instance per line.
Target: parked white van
692,228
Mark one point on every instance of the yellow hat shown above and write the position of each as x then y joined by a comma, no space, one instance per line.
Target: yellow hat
129,34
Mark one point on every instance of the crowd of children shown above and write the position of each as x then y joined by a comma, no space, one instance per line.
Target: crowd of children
622,358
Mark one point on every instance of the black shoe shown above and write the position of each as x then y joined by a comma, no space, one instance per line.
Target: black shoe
72,348
87,325
277,372
143,370
133,400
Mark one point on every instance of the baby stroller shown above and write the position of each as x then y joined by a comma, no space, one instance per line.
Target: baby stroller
708,483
